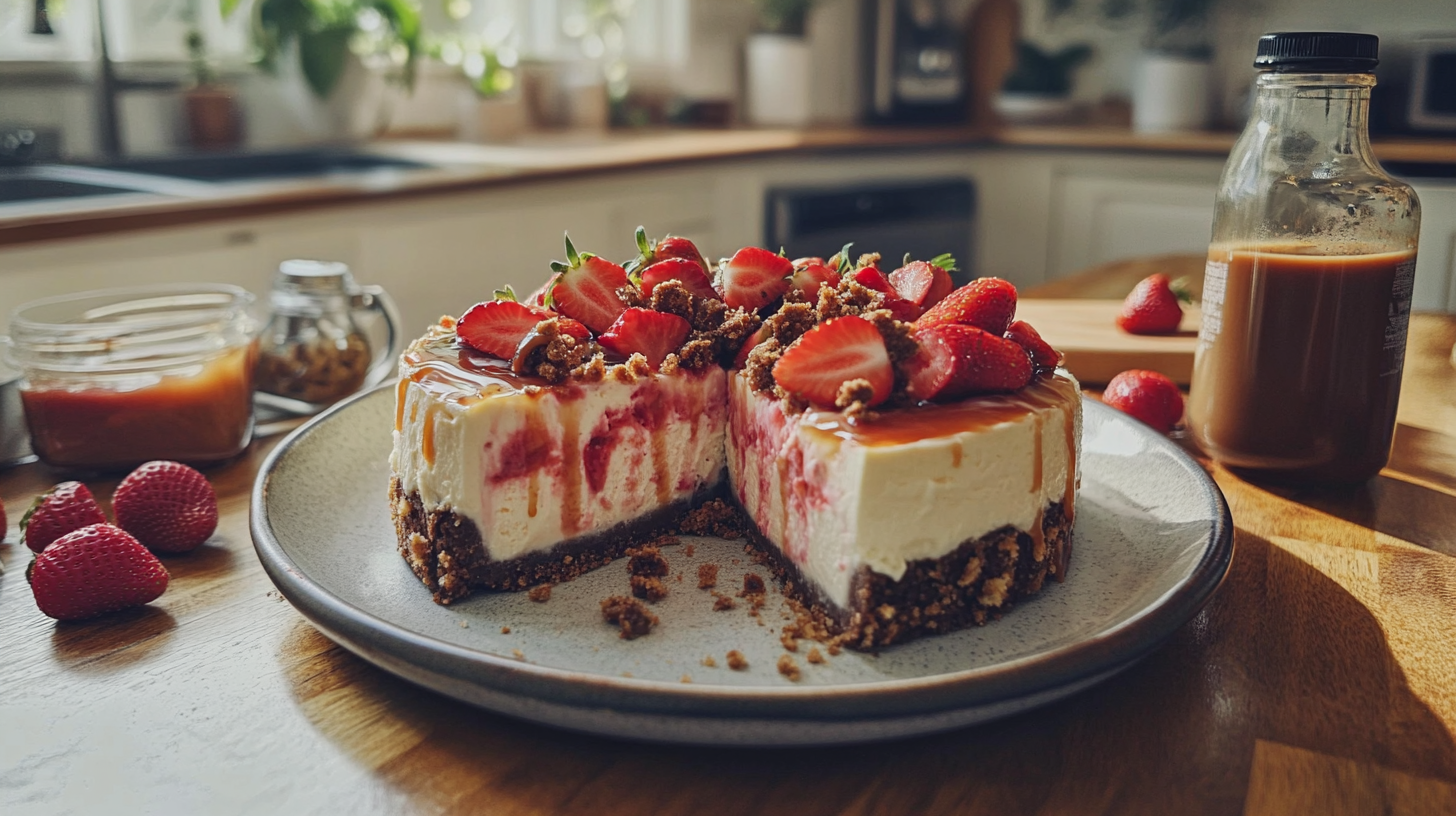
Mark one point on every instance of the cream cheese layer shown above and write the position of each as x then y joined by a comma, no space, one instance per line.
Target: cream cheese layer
834,493
533,465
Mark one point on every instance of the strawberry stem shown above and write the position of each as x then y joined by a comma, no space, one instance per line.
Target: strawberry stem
1179,286
945,261
643,244
506,293
573,258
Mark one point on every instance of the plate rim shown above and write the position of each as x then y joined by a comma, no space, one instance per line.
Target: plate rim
1123,643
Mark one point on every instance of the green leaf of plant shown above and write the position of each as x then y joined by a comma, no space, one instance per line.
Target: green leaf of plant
228,7
323,55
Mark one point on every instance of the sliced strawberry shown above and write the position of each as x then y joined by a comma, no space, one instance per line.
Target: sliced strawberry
1148,396
574,328
674,247
831,354
956,361
1152,307
899,308
538,297
1042,354
986,303
496,327
753,278
651,333
586,288
688,273
922,283
763,333
810,274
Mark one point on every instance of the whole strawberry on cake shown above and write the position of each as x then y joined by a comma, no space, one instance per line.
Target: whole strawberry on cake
903,452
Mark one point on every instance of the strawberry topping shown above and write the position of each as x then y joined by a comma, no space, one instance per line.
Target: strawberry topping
1042,354
922,283
753,278
955,361
688,273
872,278
496,327
1148,396
986,303
761,334
652,334
586,289
674,247
1152,307
809,275
831,354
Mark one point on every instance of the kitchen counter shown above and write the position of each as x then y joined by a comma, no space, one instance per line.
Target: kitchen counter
461,167
1317,680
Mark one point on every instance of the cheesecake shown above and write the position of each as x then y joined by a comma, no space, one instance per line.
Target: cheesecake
903,454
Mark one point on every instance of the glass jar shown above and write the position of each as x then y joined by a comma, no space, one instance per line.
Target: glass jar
1307,291
114,378
312,353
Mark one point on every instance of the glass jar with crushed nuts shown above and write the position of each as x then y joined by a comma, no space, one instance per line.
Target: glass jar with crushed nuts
312,353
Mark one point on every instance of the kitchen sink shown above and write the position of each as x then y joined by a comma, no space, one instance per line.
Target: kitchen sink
28,188
249,166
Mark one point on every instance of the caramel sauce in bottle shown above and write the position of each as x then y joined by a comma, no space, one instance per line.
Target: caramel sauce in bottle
1307,291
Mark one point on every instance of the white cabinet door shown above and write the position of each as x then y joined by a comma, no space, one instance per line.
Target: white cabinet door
1100,218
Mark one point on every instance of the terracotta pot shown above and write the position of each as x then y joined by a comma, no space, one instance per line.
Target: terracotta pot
213,120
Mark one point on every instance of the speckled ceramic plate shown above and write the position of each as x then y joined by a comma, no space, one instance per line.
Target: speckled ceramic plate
1152,542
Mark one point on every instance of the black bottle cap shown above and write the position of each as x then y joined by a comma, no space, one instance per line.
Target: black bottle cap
1333,52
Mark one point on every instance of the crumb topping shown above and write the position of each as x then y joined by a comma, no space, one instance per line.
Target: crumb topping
788,668
707,576
736,660
540,593
646,562
648,588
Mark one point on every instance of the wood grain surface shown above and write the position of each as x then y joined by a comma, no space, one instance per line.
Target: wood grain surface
1095,350
1320,679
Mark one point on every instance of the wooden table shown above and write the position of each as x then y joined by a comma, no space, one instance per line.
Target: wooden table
1320,679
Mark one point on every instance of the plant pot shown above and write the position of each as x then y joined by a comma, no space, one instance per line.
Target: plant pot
778,80
1018,108
494,119
1171,93
358,107
213,118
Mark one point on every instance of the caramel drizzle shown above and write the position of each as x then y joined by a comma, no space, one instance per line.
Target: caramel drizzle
533,492
427,438
571,470
659,466
400,392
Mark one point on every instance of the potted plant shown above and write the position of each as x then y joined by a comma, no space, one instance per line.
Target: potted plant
213,120
1039,87
1174,83
344,51
491,108
777,64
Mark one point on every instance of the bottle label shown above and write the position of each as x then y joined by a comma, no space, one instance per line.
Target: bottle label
1398,316
1215,283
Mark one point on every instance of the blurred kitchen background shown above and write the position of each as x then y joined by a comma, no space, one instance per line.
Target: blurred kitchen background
440,147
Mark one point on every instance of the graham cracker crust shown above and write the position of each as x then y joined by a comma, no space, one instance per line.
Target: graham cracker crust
445,551
978,581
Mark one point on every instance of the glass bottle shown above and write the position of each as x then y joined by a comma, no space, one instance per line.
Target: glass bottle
1307,289
312,353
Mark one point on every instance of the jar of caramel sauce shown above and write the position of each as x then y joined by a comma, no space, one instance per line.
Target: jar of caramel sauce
1307,289
115,378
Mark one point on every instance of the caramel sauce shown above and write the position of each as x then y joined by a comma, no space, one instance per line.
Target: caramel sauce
399,395
955,455
533,492
906,425
455,373
427,437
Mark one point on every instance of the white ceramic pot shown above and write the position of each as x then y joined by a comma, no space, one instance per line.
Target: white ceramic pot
494,120
358,107
778,80
1171,93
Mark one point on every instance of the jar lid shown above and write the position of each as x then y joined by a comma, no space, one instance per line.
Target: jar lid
1318,52
314,276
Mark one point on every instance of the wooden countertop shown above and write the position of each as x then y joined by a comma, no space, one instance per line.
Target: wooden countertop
1321,678
460,167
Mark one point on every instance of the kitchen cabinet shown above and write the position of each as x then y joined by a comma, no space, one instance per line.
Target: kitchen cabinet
1041,214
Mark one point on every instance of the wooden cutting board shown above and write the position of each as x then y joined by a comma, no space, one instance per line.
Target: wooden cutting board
1096,350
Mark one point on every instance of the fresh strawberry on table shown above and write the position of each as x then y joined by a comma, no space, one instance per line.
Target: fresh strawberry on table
753,278
651,333
167,506
586,288
986,303
1042,354
95,570
1147,396
955,361
831,354
65,508
924,283
1152,307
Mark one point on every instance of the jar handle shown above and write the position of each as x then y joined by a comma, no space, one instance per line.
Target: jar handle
386,360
